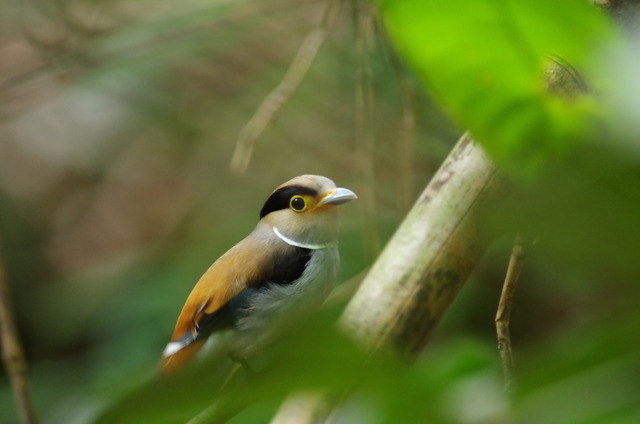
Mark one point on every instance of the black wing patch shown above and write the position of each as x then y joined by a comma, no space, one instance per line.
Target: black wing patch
226,316
287,268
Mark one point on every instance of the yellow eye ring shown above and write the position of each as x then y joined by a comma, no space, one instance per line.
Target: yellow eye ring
298,203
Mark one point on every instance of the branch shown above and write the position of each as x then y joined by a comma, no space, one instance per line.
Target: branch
12,354
503,315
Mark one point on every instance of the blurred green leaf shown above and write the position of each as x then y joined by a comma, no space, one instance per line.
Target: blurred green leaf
485,60
583,214
590,376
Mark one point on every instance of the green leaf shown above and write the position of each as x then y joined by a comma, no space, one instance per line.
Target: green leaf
485,60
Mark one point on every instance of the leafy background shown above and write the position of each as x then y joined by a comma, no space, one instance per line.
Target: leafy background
118,122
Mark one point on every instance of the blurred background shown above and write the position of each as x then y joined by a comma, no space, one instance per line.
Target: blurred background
118,123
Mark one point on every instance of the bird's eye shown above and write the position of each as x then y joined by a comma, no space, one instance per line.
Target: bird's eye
298,203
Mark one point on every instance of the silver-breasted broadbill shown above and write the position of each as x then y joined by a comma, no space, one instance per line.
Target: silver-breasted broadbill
285,267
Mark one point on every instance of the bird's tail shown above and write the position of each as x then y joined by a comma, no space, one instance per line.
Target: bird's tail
175,356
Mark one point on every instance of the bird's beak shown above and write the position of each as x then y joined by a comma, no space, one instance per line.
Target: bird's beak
338,196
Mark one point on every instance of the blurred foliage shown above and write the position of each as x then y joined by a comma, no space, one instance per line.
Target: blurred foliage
501,47
117,123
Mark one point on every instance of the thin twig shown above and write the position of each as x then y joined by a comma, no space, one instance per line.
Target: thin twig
12,354
275,100
503,315
364,126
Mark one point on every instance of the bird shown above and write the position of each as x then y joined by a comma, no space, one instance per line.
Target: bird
284,268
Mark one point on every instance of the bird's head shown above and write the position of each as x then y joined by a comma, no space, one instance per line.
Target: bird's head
304,209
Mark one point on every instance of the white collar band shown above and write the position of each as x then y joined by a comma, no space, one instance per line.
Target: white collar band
302,245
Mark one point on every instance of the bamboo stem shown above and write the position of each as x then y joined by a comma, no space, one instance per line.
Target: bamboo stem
428,259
